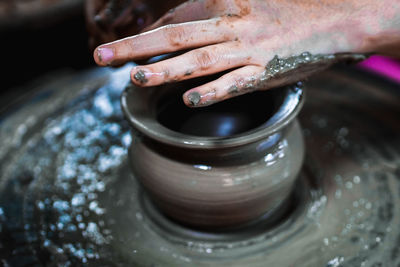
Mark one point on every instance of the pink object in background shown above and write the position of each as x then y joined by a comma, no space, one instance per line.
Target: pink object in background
385,66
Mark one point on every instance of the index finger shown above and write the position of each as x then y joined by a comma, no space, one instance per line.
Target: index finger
163,40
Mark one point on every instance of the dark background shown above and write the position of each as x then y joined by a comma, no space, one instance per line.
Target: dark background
33,49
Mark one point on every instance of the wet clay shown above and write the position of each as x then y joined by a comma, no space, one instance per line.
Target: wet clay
248,139
278,66
227,118
194,98
282,71
73,202
140,76
233,90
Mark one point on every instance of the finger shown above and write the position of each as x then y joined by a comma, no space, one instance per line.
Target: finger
188,11
199,62
234,83
112,12
163,40
92,7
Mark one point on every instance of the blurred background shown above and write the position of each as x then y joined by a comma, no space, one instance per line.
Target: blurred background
40,37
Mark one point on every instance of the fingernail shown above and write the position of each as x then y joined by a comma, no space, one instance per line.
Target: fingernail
194,98
105,54
140,76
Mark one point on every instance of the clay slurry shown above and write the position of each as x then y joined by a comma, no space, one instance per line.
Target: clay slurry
230,117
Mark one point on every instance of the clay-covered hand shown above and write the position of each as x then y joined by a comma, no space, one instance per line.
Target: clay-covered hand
108,20
258,43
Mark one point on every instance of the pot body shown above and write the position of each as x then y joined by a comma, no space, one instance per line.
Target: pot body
219,187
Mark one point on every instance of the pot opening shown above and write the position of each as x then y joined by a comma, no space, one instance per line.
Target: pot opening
228,118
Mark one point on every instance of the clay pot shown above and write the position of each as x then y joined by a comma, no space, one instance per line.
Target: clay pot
219,166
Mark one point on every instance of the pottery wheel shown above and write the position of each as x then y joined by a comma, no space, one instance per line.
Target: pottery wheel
67,197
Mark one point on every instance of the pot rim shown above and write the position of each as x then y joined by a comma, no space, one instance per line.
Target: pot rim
142,119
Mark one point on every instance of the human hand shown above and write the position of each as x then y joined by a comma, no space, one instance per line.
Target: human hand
264,43
108,20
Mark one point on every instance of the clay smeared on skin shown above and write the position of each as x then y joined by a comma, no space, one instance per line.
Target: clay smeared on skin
294,68
140,76
99,56
233,90
172,80
166,73
230,15
290,70
244,7
280,71
188,73
194,98
208,98
278,66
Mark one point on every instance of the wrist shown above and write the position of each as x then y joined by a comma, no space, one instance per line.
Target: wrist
379,30
367,27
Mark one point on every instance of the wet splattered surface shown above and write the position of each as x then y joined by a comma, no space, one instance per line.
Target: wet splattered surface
67,197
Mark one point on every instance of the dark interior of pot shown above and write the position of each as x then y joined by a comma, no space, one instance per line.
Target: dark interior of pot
228,118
